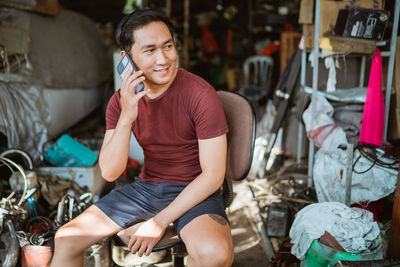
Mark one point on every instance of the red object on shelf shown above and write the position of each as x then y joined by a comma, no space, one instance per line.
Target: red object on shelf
373,121
271,48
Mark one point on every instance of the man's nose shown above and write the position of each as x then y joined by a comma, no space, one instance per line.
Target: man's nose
161,57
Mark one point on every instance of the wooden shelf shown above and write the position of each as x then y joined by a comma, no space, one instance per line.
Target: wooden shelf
348,44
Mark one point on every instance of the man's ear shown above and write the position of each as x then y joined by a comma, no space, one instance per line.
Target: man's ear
122,53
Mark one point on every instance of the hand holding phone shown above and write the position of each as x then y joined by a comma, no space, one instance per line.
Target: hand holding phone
124,66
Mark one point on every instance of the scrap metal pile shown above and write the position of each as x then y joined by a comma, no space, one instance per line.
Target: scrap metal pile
32,208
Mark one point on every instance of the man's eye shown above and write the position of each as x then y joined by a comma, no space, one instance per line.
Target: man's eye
148,51
168,46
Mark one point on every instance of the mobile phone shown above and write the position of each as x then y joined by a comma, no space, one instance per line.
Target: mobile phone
124,66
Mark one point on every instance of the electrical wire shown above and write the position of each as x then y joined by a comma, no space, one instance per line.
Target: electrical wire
19,168
39,236
371,153
39,219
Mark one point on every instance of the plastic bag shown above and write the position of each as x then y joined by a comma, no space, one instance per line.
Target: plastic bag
370,181
321,127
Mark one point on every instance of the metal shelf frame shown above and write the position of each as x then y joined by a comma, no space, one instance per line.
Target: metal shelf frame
390,54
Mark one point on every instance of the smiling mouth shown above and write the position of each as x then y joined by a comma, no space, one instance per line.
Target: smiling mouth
162,69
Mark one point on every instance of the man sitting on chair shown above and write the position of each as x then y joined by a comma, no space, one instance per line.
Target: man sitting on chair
179,122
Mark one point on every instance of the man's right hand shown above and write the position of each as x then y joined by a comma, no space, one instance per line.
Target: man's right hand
146,237
129,100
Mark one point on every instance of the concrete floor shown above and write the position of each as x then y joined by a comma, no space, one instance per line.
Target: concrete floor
250,247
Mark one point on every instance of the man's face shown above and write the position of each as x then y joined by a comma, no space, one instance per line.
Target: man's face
154,53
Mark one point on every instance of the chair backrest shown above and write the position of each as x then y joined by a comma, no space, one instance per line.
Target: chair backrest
241,121
257,71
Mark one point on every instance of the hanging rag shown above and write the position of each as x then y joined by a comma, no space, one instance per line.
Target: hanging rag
374,108
331,83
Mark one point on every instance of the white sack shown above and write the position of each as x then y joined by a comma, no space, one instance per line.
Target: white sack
320,126
329,175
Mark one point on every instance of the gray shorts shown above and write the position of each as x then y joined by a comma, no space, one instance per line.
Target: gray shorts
141,200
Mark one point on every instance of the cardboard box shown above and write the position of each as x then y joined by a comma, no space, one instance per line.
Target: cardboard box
330,11
328,15
361,23
83,176
338,44
306,13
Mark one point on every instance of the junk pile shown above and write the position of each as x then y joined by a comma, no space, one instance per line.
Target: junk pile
37,200
338,207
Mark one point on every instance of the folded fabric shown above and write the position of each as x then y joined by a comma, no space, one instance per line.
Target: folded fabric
353,228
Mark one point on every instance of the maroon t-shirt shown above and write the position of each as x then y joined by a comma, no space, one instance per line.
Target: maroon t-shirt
169,126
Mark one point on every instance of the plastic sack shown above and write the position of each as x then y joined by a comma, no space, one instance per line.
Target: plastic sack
370,181
321,127
24,116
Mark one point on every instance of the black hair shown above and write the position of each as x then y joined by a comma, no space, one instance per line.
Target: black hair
135,20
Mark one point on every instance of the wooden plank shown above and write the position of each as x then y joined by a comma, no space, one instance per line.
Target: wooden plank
347,44
394,238
396,75
308,33
288,43
394,112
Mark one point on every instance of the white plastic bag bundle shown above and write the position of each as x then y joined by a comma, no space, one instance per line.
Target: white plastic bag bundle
370,181
320,125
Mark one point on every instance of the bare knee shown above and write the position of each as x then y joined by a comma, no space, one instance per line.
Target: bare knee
212,254
62,237
66,240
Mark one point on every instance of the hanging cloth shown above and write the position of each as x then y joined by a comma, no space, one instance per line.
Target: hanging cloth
374,108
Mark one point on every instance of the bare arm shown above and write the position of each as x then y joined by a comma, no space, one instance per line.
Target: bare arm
114,153
115,149
212,153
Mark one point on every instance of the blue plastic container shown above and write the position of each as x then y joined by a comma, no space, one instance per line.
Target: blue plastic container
67,152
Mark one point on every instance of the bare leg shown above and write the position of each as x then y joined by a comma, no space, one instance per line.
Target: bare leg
208,241
73,238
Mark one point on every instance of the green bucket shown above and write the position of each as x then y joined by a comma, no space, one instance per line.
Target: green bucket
319,255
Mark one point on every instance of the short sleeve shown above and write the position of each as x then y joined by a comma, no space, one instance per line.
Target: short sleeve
209,116
113,111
